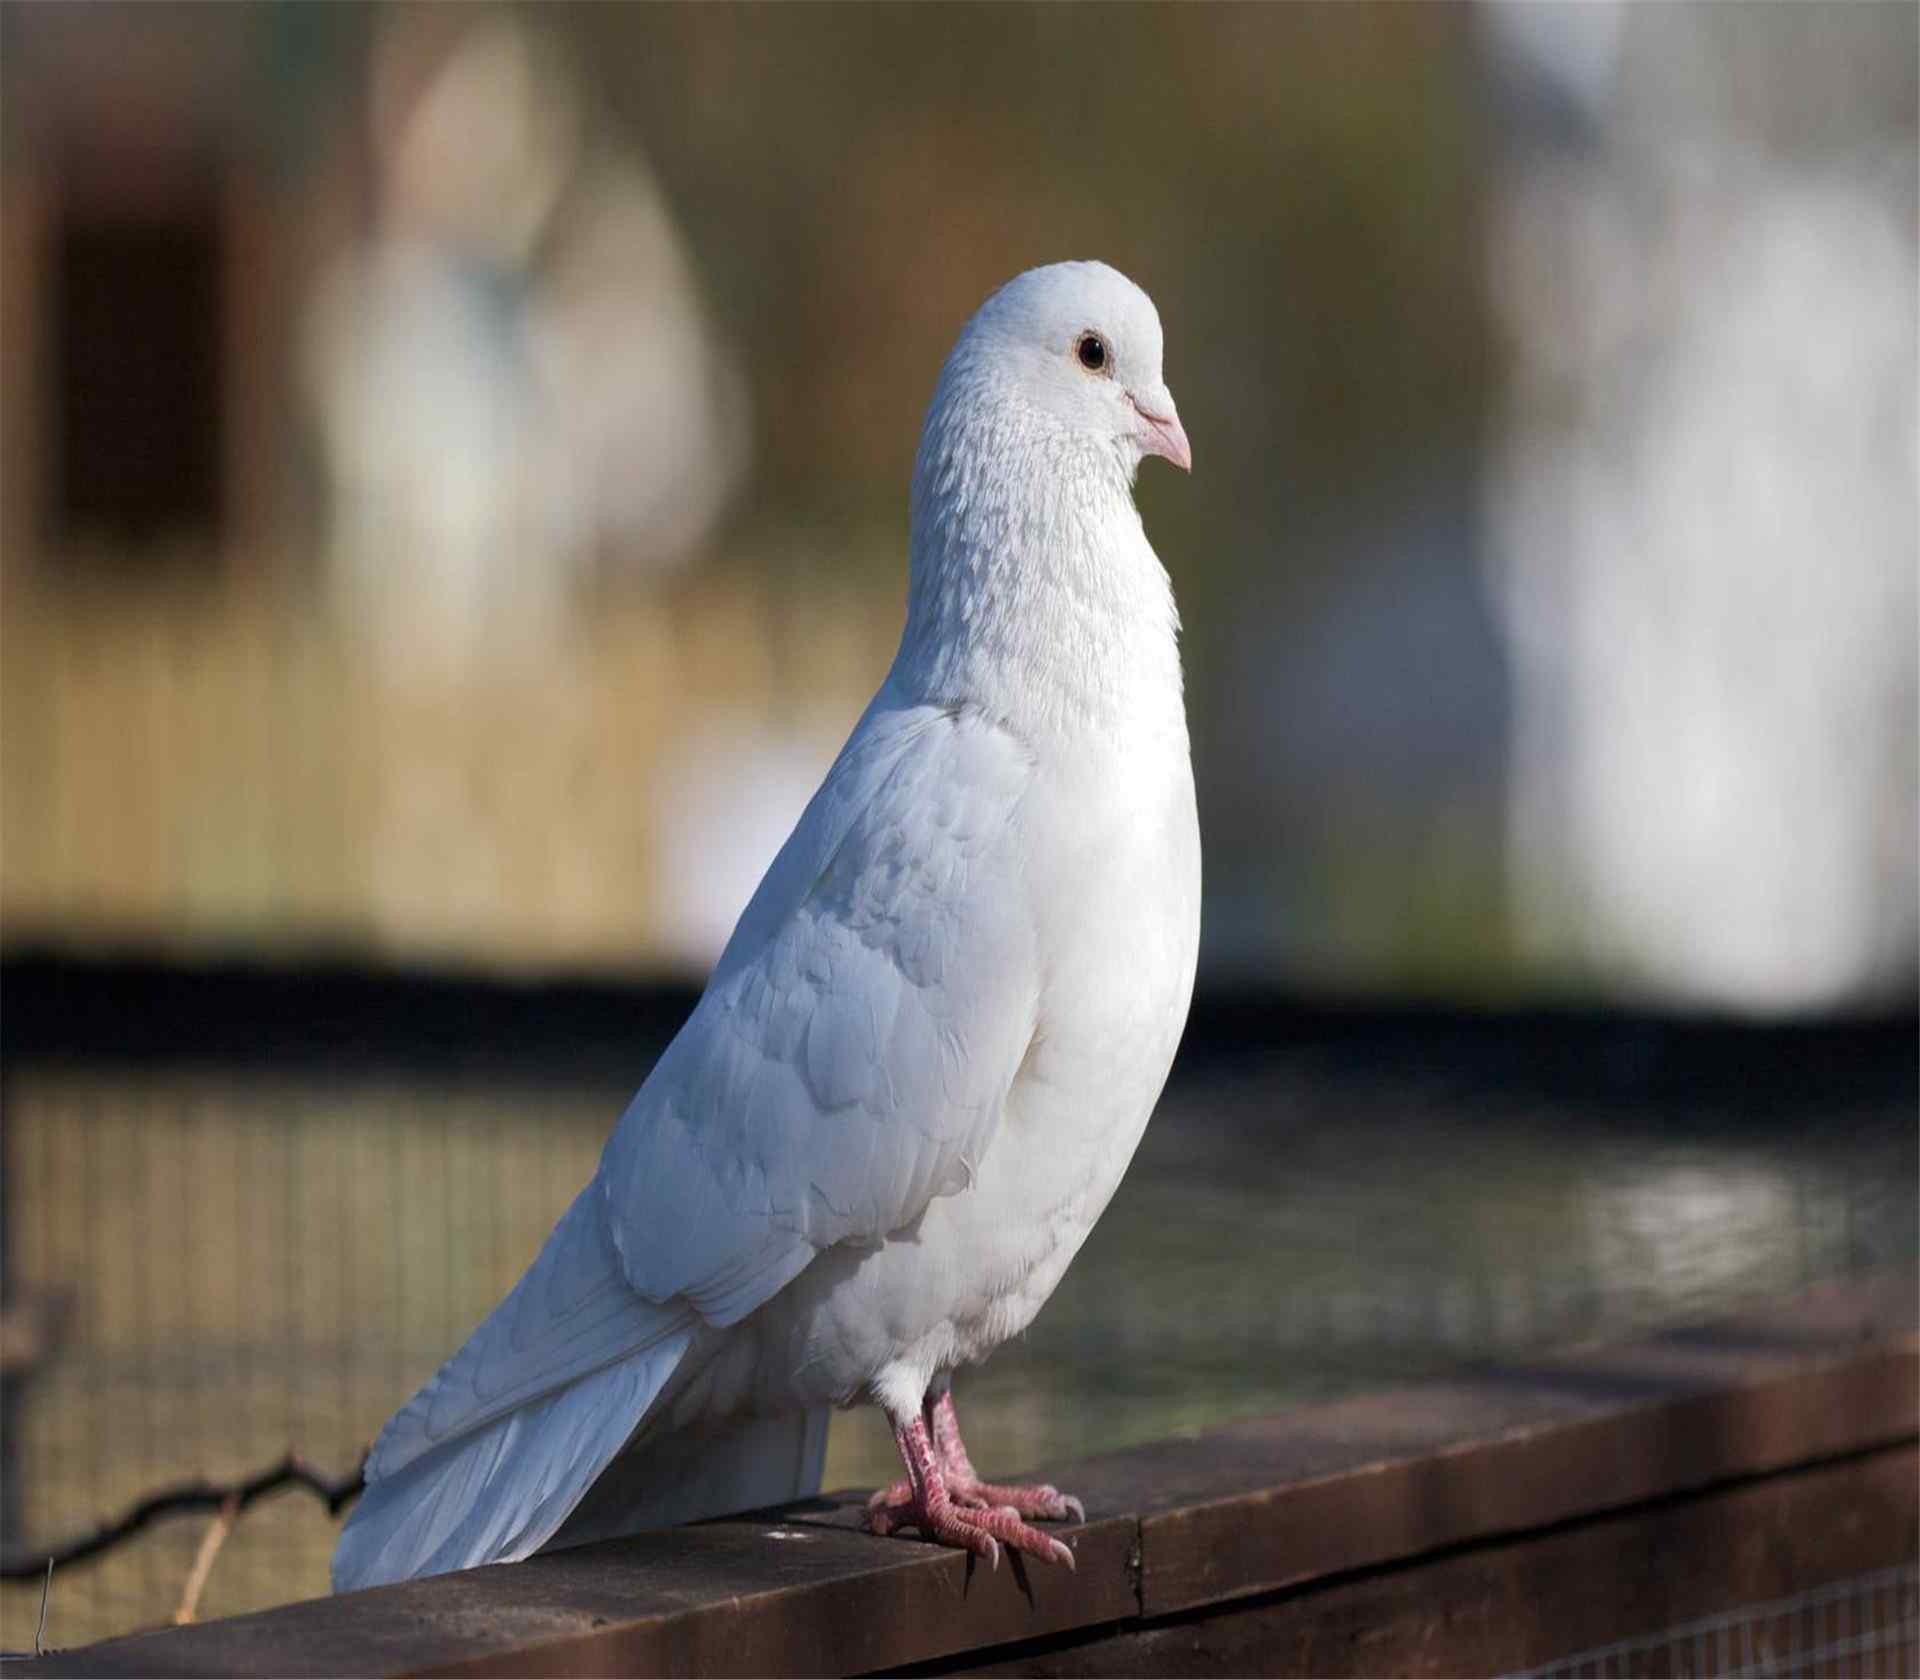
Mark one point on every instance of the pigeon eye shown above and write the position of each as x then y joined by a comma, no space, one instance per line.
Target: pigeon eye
1091,348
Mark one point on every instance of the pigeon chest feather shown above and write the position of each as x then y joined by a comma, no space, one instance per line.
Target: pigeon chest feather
1120,915
978,1264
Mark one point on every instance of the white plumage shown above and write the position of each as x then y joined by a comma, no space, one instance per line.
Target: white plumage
928,1051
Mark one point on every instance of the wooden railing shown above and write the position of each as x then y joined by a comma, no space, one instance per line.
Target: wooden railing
1481,1525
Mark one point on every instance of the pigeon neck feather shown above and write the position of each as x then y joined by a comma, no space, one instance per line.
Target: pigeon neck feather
1034,593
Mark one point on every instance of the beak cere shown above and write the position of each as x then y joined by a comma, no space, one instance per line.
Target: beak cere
1163,435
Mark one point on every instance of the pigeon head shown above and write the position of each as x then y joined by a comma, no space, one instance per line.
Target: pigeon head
1032,589
1076,346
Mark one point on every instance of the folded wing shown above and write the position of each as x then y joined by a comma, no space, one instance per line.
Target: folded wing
853,1052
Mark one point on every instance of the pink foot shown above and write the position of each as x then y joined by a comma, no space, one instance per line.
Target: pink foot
978,1531
1030,1499
943,1498
1041,1500
966,1488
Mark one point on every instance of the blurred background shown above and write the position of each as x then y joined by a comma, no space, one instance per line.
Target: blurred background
452,508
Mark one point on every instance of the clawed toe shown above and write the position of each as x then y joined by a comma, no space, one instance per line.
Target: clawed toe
896,1493
979,1529
1044,1501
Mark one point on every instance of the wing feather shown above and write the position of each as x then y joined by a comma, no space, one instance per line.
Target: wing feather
853,1053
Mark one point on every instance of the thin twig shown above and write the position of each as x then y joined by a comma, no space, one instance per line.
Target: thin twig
39,1633
210,1544
291,1471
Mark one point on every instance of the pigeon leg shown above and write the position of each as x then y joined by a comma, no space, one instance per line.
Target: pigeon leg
930,1509
901,1492
964,1487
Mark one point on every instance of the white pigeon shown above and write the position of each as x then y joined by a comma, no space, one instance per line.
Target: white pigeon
928,1051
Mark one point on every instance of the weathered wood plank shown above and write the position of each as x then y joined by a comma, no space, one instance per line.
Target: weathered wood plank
1178,1528
1536,1472
1518,1604
782,1595
879,1611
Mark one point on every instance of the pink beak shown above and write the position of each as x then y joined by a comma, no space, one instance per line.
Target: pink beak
1164,435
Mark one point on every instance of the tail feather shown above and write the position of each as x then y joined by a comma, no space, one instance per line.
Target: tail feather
501,1492
683,1477
572,1314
